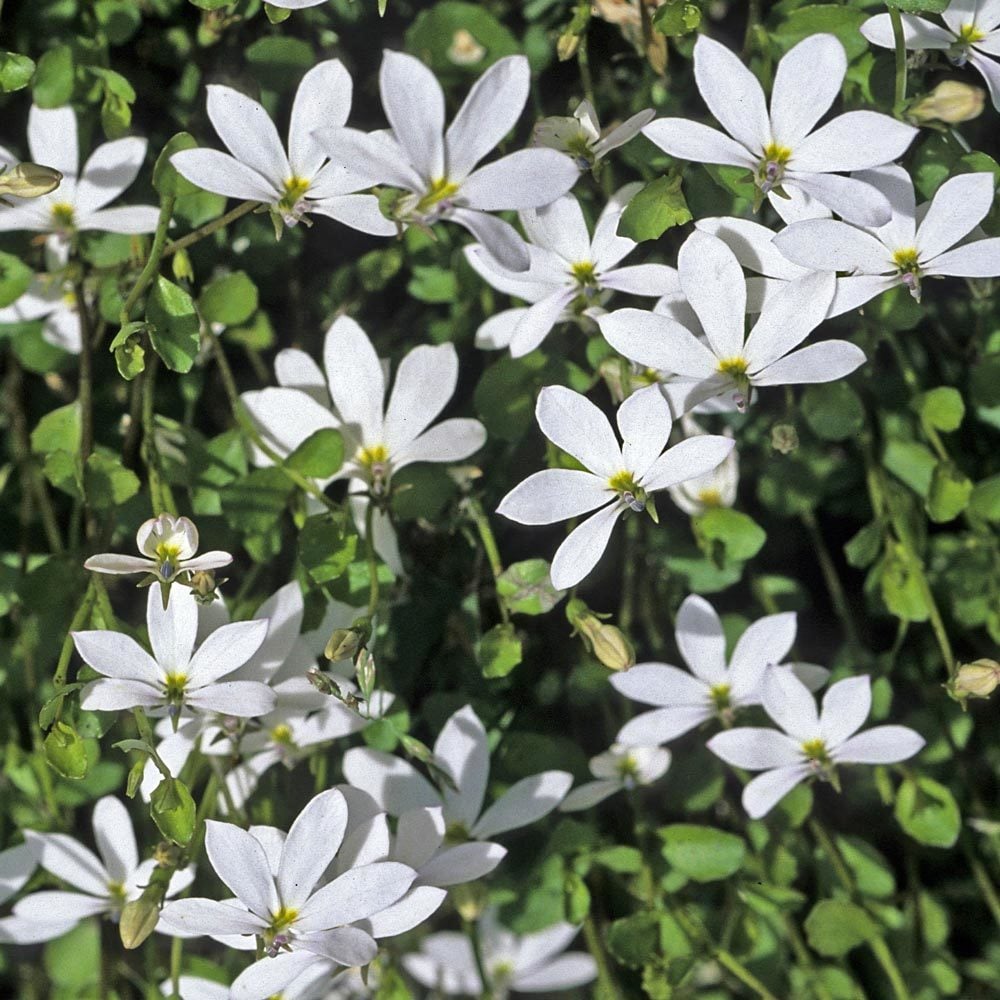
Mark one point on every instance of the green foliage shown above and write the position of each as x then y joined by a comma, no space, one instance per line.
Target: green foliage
173,326
702,853
659,206
835,926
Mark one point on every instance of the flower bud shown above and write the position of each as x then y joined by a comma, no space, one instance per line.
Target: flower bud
470,900
173,810
606,642
567,45
66,752
366,674
345,642
784,438
323,682
464,49
978,679
29,180
950,102
203,586
138,920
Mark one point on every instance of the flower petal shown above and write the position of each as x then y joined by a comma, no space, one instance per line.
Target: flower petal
376,157
701,641
69,860
828,245
855,140
221,173
714,285
127,219
449,441
657,342
561,973
536,323
355,895
356,211
845,707
172,631
574,424
640,279
918,32
414,104
463,863
662,725
350,946
980,259
589,794
52,139
409,912
419,834
764,644
806,82
823,362
244,699
323,100
115,838
583,547
499,238
248,132
113,696
688,459
525,179
116,655
239,860
110,169
688,140
355,378
554,495
644,422
732,93
958,206
269,977
559,227
53,908
207,916
425,381
765,791
462,750
660,684
755,748
313,840
224,650
791,705
523,803
855,201
394,783
881,745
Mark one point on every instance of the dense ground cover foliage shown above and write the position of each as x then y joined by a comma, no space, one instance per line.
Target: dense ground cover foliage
556,444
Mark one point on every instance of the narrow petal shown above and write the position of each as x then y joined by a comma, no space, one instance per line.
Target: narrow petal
644,422
660,684
624,133
764,644
521,284
698,143
561,973
496,332
356,211
499,238
980,259
845,707
111,168
559,227
462,750
790,704
700,639
449,441
589,794
823,362
583,547
464,863
918,32
208,560
113,696
226,649
172,631
287,417
753,245
713,282
17,865
208,917
116,655
54,907
414,104
312,842
662,725
853,200
244,699
732,93
688,459
657,342
349,946
409,912
989,69
69,860
523,803
52,139
756,749
224,174
640,279
958,206
525,179
536,323
806,82
419,834
607,248
355,895
425,381
355,377
248,132
487,114
897,185
127,219
827,245
323,100
766,790
376,157
574,424
554,495
115,838
240,861
294,369
394,783
855,140
271,976
881,745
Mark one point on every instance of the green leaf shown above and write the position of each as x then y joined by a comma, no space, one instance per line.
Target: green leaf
941,408
433,34
984,381
833,411
499,651
327,546
927,811
863,549
702,853
73,961
433,284
835,926
276,15
833,18
901,588
623,860
278,61
166,180
173,325
985,499
526,588
107,482
15,276
659,206
912,463
677,17
320,456
229,300
15,71
130,356
873,875
252,505
921,6
949,494
728,535
58,430
54,78
635,941
120,19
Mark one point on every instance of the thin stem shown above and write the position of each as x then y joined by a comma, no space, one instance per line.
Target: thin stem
983,881
176,954
85,395
832,580
152,265
160,494
899,42
372,558
743,974
605,975
472,933
80,619
211,227
482,523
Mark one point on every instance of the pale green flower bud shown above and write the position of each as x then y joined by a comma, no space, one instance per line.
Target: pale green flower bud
606,642
29,180
950,102
978,679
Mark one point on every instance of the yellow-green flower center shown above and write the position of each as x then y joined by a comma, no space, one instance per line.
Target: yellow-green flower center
174,685
628,767
440,189
295,190
584,273
734,367
62,214
710,497
719,693
623,482
282,919
907,260
116,890
282,733
815,750
971,34
168,555
372,455
777,154
456,833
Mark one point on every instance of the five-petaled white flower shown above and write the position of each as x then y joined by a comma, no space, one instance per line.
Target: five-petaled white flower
903,252
176,676
462,752
618,477
437,169
580,136
570,274
104,883
713,688
972,36
812,744
78,203
293,184
279,898
783,149
732,362
530,963
619,767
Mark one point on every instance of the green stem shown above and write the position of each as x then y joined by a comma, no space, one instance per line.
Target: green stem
85,393
900,45
983,881
743,974
211,227
832,580
372,558
605,975
472,933
80,619
176,954
486,536
152,265
160,494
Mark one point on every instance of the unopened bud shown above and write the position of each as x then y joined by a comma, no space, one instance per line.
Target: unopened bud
464,49
29,180
950,102
181,266
978,679
470,899
567,45
66,752
366,674
173,810
345,642
784,438
606,642
203,586
323,682
138,921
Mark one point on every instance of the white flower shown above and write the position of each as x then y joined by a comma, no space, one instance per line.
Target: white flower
438,168
713,688
811,744
618,477
78,203
104,884
17,865
279,899
902,252
195,988
972,36
462,751
169,544
580,136
716,488
732,362
782,148
570,274
177,675
293,184
620,767
52,299
530,963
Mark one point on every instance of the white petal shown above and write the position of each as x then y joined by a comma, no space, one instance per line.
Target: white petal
116,655
574,424
52,139
827,245
554,495
517,283
980,259
500,239
68,860
425,381
288,416
17,865
765,791
206,916
607,248
409,912
53,908
764,644
856,140
270,976
589,794
958,206
561,973
523,803
115,838
357,211
755,748
449,441
464,863
394,783
732,94
294,369
21,930
487,114
662,725
753,245
640,279
559,227
824,362
881,745
583,547
240,861
113,696
355,377
414,104
536,323
845,707
688,459
713,282
896,184
701,640
657,342
172,631
624,133
918,33
376,157
698,143
248,132
313,840
419,834
790,704
224,650
126,219
111,168
644,422
660,684
806,82
355,895
525,179
855,201
244,699
350,946
462,750
989,69
323,100
220,173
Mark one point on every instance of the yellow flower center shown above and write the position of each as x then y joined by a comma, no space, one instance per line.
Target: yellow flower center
815,750
623,482
440,189
971,34
710,497
907,260
282,734
719,693
62,214
456,833
116,890
628,766
777,154
372,455
295,190
584,273
168,555
736,368
282,919
174,686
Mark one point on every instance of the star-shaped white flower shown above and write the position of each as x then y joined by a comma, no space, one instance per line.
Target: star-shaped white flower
79,202
462,751
438,169
176,676
571,272
620,767
811,744
971,35
104,884
52,299
714,489
731,361
580,136
293,184
618,477
713,688
782,147
280,898
903,252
